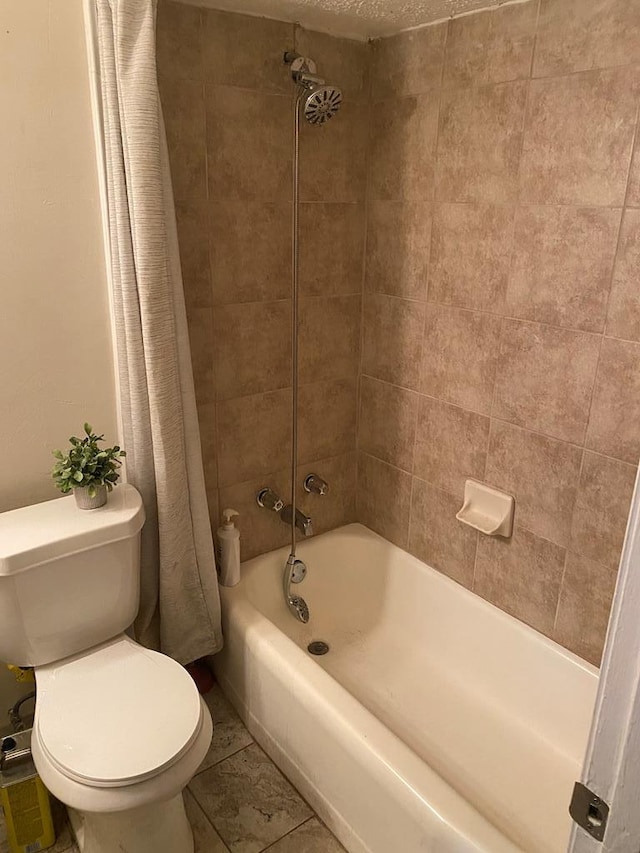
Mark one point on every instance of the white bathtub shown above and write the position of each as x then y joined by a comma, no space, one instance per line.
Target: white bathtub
436,722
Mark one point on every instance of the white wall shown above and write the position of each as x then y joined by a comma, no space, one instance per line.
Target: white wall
55,345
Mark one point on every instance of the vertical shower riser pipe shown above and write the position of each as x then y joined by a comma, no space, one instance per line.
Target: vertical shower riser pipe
294,318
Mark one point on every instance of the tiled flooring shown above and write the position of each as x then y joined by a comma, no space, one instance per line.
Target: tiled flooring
238,802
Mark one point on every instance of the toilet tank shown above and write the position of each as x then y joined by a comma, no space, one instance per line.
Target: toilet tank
69,578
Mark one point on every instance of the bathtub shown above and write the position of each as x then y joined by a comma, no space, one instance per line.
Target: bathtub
436,722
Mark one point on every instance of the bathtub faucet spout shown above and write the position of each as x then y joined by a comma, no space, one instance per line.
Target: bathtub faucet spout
303,522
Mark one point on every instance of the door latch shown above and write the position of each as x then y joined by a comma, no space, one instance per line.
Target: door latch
589,811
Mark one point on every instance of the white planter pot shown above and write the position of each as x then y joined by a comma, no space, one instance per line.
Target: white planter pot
85,501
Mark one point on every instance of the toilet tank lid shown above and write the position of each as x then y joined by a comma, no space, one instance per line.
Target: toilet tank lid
36,534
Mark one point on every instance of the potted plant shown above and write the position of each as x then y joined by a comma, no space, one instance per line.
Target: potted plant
87,470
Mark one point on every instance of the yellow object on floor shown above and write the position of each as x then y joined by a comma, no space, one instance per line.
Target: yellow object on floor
22,674
24,799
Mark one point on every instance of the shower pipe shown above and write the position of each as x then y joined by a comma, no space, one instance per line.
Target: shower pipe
321,102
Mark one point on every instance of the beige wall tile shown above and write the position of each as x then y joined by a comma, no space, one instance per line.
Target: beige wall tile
479,143
184,115
254,436
562,262
521,575
614,422
261,168
470,253
260,529
451,445
437,537
250,249
326,419
213,506
576,35
541,473
208,441
467,50
328,325
252,348
402,142
193,237
602,507
578,138
623,317
178,42
409,63
583,611
331,245
633,196
392,339
398,241
200,325
245,51
460,354
333,159
342,62
545,378
491,47
512,39
384,499
387,422
338,506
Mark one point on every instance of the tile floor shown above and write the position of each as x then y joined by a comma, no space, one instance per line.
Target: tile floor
238,802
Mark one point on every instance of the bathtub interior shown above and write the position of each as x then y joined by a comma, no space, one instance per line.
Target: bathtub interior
499,711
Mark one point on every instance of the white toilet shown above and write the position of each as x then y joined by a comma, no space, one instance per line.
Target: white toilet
119,730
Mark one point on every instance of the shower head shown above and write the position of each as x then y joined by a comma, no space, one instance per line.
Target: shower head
322,103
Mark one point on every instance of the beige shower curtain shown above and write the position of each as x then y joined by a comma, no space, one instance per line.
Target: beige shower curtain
180,607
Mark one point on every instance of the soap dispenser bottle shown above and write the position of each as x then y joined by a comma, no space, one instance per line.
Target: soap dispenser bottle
228,537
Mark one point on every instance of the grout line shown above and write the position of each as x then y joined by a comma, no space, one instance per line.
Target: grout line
363,272
611,277
423,342
205,814
452,307
291,831
224,758
593,389
535,40
466,202
268,474
214,360
560,591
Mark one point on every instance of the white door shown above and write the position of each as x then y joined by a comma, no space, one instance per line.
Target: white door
611,768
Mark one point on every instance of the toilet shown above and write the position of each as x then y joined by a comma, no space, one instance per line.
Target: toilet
119,730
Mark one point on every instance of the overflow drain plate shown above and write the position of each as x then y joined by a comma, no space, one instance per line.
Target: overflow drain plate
318,647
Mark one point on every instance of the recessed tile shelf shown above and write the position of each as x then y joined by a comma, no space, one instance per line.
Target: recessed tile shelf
487,509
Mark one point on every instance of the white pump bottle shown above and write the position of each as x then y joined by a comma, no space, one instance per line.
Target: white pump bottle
228,537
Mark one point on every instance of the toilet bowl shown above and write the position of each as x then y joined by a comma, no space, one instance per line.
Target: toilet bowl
119,730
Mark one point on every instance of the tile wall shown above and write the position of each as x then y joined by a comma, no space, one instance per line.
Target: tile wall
501,318
227,100
494,331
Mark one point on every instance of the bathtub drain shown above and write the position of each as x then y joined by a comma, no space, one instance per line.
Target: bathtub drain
318,647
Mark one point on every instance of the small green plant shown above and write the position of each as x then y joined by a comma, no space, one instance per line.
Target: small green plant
86,464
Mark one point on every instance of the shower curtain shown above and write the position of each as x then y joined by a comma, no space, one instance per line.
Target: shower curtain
180,607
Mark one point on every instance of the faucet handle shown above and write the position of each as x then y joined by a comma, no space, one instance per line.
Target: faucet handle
314,483
268,499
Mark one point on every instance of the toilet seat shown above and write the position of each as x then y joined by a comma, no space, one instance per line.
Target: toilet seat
116,715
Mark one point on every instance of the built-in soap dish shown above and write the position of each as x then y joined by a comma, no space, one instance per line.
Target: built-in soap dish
487,509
